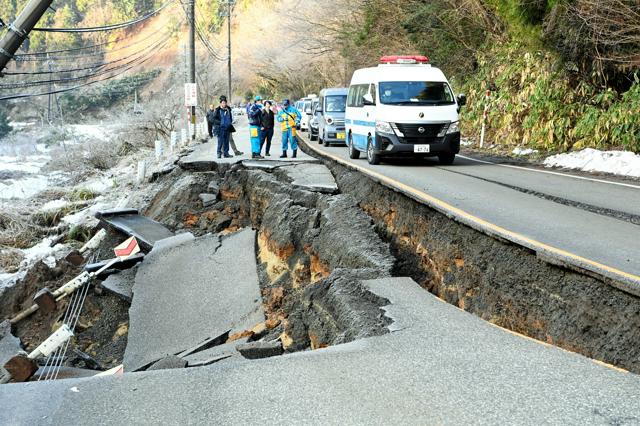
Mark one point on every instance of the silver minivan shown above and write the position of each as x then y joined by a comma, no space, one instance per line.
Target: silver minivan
330,113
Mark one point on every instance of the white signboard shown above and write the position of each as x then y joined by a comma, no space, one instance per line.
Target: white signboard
190,94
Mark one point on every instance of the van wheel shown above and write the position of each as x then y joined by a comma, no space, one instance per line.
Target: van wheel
312,137
353,152
325,141
446,159
372,157
319,139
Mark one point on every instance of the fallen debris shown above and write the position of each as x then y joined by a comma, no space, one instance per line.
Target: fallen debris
183,297
258,350
169,362
121,283
129,222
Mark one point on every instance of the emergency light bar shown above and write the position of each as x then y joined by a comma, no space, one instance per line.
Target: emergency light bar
404,59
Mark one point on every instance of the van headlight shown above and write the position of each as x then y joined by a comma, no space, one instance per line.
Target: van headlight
329,120
383,127
453,127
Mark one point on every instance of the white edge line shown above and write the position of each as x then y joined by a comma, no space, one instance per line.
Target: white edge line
618,279
530,169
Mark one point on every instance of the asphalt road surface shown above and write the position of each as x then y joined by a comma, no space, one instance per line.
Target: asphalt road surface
591,223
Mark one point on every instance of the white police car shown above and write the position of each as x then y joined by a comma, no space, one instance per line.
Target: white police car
402,107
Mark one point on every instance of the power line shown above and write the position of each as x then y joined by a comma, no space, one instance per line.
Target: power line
85,76
36,55
87,67
105,27
68,89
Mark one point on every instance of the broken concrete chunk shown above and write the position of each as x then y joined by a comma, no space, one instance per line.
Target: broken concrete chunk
208,199
121,284
258,350
213,188
312,177
171,242
215,354
184,297
129,222
169,362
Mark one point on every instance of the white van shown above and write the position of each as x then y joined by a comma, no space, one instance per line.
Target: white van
305,111
402,107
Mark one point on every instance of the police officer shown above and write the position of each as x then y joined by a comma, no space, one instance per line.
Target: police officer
255,123
289,117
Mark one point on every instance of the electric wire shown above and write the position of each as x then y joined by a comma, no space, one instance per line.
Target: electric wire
28,58
89,75
105,27
200,35
68,89
69,70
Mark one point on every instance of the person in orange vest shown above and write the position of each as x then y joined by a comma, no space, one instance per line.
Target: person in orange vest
289,117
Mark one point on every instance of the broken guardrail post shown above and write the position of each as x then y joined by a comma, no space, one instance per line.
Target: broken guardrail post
22,366
142,171
159,149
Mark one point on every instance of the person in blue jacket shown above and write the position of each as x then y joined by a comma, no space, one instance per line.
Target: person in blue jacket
222,124
255,123
289,117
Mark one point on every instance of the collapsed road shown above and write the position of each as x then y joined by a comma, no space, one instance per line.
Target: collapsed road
292,292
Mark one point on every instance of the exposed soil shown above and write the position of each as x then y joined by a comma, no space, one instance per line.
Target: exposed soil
500,282
313,249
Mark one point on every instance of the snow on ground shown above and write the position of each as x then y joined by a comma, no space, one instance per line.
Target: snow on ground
23,188
91,131
523,151
624,163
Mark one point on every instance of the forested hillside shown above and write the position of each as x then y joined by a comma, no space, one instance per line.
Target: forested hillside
563,74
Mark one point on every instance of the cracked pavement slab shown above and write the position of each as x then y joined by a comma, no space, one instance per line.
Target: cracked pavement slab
440,365
184,297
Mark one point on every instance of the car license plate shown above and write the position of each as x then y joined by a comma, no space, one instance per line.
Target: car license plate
421,148
340,135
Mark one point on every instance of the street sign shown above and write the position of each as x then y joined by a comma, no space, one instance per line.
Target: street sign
190,94
127,249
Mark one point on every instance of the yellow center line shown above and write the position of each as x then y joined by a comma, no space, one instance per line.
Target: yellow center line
514,236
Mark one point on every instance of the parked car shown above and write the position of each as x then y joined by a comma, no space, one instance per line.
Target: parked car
331,109
404,106
313,122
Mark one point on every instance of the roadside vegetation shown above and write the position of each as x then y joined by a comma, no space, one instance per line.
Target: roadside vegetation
563,74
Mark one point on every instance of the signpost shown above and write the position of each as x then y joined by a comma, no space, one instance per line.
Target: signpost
190,95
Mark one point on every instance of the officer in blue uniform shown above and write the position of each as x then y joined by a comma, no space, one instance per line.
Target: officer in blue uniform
255,123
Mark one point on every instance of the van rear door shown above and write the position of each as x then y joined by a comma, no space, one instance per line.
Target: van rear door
358,118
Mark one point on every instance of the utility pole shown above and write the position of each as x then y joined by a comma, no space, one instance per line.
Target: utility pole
192,59
20,29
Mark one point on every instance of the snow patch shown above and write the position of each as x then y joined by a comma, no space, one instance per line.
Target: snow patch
524,151
55,205
623,163
45,251
23,188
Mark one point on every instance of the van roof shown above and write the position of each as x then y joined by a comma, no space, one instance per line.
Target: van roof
396,72
334,91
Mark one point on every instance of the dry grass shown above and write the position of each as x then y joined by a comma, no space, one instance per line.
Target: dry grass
10,260
17,231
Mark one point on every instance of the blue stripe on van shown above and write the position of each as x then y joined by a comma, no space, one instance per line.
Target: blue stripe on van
364,123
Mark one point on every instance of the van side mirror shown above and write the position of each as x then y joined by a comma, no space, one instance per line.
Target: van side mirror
462,99
368,99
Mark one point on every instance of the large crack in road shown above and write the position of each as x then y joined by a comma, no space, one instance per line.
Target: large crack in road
301,257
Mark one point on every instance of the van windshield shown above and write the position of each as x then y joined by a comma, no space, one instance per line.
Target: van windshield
336,103
415,93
